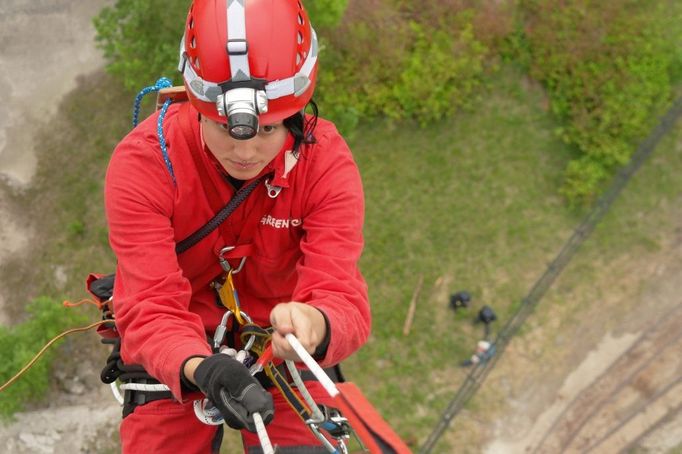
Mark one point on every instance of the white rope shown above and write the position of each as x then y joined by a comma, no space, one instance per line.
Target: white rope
315,368
116,392
145,387
318,417
262,434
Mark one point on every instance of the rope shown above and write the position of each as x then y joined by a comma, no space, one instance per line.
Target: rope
162,139
481,370
262,434
81,302
149,387
317,417
163,82
315,368
45,347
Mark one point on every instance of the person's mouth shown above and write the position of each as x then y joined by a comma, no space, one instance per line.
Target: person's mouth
243,164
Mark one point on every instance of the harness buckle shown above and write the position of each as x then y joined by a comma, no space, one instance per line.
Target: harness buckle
273,191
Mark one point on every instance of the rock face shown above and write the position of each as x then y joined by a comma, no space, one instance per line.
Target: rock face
46,45
65,429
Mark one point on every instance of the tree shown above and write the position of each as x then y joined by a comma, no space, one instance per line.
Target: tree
140,39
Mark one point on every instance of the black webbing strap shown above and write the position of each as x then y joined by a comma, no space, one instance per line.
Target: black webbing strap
219,217
280,381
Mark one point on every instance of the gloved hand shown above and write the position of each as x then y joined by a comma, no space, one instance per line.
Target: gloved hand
232,389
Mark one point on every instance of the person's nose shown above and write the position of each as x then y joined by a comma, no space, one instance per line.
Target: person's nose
245,150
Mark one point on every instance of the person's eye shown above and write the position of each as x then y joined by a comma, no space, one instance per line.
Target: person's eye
268,129
223,126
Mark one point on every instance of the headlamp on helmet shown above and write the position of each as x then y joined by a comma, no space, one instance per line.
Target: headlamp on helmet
241,107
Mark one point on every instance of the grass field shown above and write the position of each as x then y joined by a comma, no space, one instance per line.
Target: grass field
470,203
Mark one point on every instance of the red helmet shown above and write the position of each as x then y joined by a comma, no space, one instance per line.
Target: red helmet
248,60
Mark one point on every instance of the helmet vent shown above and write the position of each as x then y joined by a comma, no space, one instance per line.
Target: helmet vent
300,19
190,24
300,38
193,42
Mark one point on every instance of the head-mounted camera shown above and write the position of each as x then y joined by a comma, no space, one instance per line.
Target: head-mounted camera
241,107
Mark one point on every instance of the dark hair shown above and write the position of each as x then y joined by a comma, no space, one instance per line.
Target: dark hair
302,128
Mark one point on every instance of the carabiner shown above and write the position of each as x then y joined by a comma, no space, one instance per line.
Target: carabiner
221,329
225,264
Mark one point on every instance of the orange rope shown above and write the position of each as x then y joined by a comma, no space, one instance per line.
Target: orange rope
42,350
81,302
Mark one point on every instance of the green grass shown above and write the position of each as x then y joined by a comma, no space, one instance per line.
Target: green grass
472,200
469,203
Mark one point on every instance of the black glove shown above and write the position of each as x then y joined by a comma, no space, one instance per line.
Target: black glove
231,388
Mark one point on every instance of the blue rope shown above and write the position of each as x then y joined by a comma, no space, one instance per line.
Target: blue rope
163,82
162,139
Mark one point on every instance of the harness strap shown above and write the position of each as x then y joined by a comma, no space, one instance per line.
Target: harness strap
280,381
218,219
133,399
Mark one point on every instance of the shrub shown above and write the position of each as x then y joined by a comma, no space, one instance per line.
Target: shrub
140,39
379,57
607,67
20,343
440,75
325,13
401,60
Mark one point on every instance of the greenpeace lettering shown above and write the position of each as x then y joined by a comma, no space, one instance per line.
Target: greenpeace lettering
279,223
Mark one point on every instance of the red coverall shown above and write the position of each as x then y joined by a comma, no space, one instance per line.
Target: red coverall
306,249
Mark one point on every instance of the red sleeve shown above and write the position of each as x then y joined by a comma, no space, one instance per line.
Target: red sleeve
328,275
151,296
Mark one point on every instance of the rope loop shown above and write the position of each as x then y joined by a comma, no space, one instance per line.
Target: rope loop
163,82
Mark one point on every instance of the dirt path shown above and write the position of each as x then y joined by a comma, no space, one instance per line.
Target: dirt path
626,393
39,65
639,389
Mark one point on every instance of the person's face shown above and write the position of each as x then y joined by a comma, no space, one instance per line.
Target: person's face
243,159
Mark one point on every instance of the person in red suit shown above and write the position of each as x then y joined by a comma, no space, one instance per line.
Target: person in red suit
292,245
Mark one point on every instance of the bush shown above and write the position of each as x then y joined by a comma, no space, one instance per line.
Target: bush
140,39
20,343
607,67
401,60
325,13
440,75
